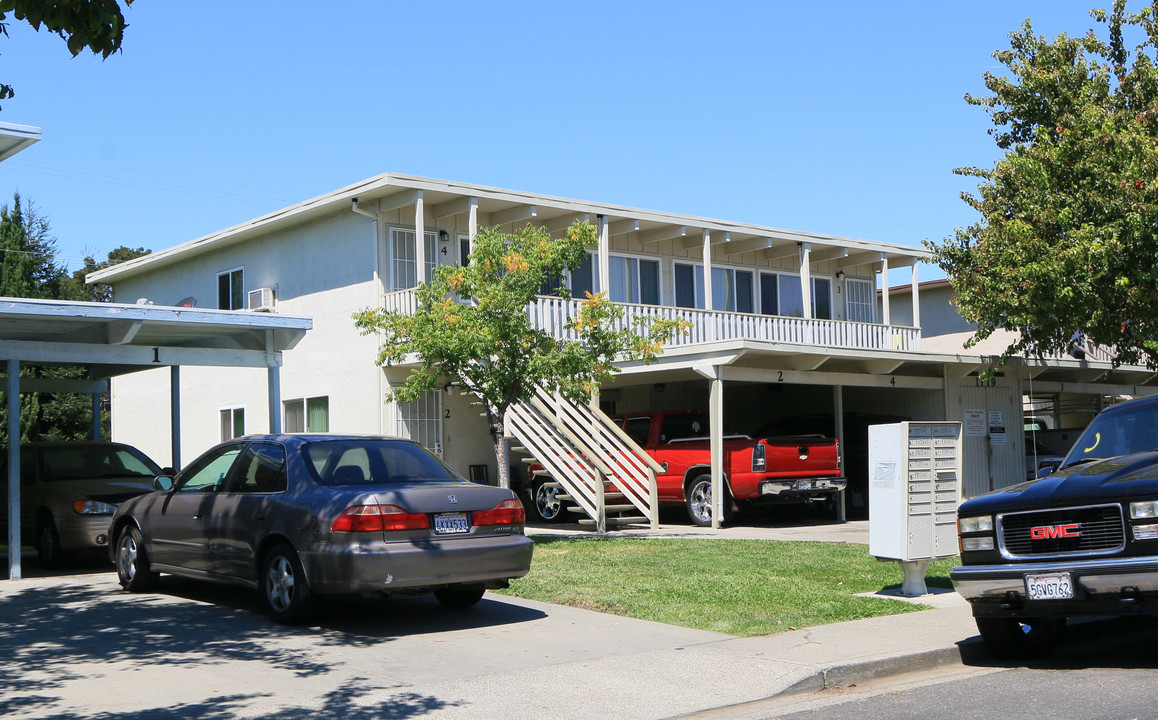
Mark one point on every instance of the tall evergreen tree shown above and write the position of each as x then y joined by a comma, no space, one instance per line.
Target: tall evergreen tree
29,269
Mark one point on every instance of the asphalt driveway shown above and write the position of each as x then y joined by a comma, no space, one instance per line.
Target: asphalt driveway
78,647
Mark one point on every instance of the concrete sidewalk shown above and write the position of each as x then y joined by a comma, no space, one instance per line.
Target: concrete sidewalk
77,646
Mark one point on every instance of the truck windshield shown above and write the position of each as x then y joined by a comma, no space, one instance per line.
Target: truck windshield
1117,432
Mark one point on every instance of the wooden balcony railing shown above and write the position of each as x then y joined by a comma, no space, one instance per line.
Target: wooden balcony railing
554,315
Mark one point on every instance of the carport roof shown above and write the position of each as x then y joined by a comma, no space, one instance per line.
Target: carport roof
747,360
112,339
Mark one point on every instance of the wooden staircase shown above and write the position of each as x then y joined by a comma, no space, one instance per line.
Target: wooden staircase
594,465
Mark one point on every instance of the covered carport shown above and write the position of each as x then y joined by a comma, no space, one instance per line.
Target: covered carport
111,339
919,385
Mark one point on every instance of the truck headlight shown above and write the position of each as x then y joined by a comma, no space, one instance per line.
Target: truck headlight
1143,510
970,544
979,523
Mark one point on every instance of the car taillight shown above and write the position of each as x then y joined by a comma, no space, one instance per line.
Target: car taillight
376,518
508,512
759,457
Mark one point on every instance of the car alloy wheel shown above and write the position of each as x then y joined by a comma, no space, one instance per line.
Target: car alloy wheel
133,571
48,545
284,587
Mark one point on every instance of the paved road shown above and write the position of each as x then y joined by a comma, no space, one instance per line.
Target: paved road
1106,671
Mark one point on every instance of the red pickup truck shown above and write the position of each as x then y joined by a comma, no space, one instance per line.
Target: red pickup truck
758,471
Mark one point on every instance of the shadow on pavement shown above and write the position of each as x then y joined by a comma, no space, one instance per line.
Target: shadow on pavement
1117,642
52,629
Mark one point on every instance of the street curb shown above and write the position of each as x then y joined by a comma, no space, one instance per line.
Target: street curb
838,675
834,676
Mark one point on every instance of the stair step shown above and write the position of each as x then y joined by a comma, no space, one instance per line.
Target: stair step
608,498
606,508
619,521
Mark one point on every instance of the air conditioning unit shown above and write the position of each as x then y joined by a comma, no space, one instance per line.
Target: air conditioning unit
261,300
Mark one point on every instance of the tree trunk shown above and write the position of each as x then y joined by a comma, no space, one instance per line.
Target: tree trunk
502,453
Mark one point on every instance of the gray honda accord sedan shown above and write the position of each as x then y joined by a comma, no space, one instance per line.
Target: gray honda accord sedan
299,516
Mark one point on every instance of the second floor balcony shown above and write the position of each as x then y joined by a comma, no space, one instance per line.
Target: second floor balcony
554,315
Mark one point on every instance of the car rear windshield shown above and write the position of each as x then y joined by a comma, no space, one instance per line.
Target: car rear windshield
79,462
373,462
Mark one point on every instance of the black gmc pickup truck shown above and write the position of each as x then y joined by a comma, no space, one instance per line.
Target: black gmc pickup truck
1080,541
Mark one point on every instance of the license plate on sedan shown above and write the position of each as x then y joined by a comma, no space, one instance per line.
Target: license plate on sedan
451,523
1049,587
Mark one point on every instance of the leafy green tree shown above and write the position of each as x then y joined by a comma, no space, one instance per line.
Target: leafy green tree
1067,240
29,268
98,292
98,25
472,327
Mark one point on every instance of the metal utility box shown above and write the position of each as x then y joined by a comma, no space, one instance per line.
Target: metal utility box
914,491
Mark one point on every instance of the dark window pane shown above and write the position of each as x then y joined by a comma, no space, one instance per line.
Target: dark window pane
237,291
822,299
769,294
743,291
582,279
223,294
649,282
685,286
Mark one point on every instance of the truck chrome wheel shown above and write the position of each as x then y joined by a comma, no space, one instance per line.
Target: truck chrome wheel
547,505
699,501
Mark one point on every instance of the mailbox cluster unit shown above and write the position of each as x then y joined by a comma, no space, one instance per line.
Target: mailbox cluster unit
914,490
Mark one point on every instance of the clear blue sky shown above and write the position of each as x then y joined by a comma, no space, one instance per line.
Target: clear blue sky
843,118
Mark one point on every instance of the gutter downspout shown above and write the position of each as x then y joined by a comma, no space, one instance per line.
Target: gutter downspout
379,300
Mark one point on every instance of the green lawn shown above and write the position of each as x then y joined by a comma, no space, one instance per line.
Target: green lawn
739,587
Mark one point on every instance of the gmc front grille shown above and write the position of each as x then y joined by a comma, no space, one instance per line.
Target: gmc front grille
1100,531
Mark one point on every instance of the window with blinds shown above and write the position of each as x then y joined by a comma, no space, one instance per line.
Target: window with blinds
404,258
232,423
860,300
306,415
421,421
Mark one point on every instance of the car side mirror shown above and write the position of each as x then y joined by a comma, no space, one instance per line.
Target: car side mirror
1045,470
163,482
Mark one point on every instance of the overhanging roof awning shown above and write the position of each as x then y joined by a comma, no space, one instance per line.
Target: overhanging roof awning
111,339
14,138
446,199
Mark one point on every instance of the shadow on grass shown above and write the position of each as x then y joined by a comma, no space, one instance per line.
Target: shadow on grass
53,629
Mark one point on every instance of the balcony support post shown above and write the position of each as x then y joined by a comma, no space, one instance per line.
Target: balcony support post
471,224
916,299
604,256
707,253
420,240
885,289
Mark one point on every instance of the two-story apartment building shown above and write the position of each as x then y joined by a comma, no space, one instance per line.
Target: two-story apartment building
784,323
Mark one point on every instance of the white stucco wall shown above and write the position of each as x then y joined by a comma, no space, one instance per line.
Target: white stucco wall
323,270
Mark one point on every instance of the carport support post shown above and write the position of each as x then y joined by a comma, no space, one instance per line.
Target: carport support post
838,416
175,415
274,386
13,469
716,421
96,416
